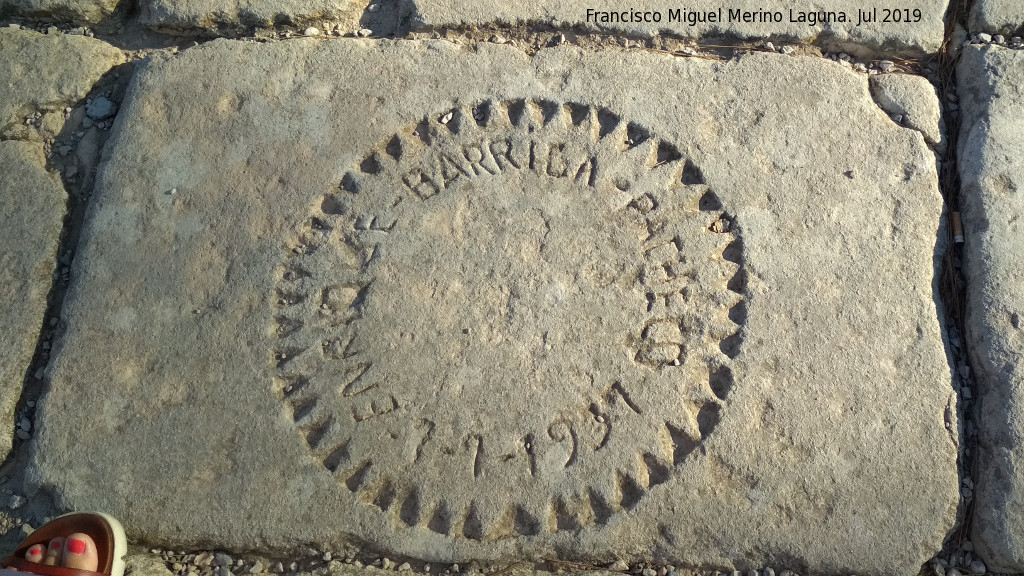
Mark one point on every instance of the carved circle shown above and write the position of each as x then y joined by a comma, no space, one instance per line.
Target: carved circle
510,319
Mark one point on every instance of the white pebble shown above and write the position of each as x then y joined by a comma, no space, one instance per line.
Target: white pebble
364,32
373,7
311,31
327,556
618,566
16,501
446,118
999,39
404,566
769,46
885,65
788,49
256,568
985,37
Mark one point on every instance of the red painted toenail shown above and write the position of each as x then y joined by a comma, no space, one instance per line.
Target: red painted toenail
76,546
54,544
35,552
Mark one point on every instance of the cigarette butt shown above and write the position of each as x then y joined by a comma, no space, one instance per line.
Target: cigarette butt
958,229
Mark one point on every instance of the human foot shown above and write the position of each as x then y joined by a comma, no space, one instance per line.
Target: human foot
75,544
76,551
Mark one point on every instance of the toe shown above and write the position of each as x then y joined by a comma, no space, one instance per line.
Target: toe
80,552
35,553
53,551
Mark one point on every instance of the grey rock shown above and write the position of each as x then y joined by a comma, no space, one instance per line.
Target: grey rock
489,268
245,15
146,565
905,39
222,559
100,108
992,174
915,100
618,566
977,567
43,72
73,11
224,571
31,216
256,568
649,572
996,16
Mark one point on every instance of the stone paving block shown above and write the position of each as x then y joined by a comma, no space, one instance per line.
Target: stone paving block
991,152
997,16
848,25
75,11
44,72
245,14
31,215
468,303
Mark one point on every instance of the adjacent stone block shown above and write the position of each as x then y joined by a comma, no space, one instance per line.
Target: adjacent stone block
991,84
997,16
904,27
76,11
232,15
468,303
42,72
31,214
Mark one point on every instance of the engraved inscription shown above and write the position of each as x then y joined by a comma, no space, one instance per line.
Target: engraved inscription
509,319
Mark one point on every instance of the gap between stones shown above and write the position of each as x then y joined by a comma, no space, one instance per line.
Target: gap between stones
123,31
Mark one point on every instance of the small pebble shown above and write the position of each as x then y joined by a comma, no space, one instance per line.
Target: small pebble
649,572
327,556
786,573
26,529
52,30
788,49
977,567
498,39
222,559
618,566
953,572
373,7
277,567
21,434
100,108
224,571
999,39
293,566
446,118
364,32
176,567
885,65
311,31
768,572
966,392
769,46
455,568
404,566
16,501
965,371
985,37
357,564
752,573
897,118
256,568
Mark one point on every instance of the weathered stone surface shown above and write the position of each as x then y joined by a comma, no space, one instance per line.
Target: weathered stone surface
914,101
467,303
31,213
47,72
243,14
750,19
991,84
76,11
997,16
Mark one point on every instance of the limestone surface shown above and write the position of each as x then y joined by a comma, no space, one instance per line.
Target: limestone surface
991,84
913,101
997,16
230,15
31,213
473,304
904,27
76,11
48,72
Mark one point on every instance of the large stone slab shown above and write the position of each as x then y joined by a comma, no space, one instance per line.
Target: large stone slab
77,11
48,72
991,84
31,214
240,15
997,16
467,303
909,27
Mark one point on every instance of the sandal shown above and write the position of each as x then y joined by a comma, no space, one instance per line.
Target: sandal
106,532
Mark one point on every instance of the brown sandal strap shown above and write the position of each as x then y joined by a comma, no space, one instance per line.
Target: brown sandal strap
45,569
